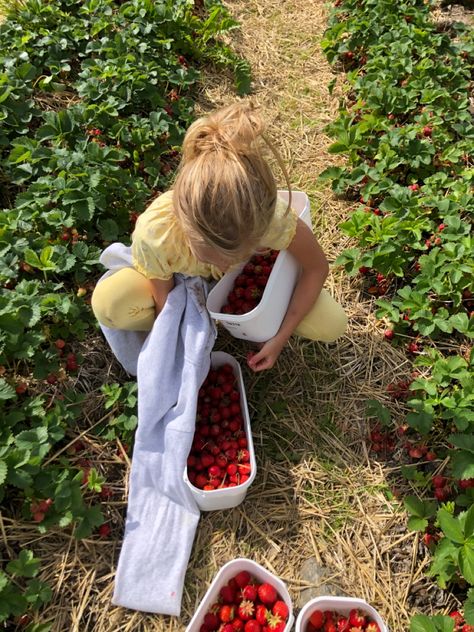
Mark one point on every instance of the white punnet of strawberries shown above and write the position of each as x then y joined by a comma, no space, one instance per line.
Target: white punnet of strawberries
246,605
250,285
219,457
331,621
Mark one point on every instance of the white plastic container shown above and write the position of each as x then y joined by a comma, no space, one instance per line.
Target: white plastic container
342,605
228,497
262,322
228,571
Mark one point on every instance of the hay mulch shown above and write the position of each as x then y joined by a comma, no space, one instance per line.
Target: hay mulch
319,494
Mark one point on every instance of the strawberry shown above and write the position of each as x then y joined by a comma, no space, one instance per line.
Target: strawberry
372,627
104,530
227,594
343,625
442,493
280,609
237,625
389,334
467,628
211,621
330,626
466,483
249,592
356,618
246,610
253,626
275,623
261,614
267,594
317,619
427,131
439,481
226,613
457,617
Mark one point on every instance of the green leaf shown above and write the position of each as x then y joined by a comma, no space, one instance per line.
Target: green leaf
419,508
6,391
462,464
374,408
417,524
451,526
3,471
438,623
25,566
469,607
469,522
463,441
3,580
421,421
466,561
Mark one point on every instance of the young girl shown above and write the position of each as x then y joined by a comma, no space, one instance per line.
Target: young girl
222,209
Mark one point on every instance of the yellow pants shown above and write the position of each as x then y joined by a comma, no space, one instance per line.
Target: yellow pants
124,301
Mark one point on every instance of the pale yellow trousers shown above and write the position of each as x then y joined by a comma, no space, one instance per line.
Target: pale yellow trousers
124,301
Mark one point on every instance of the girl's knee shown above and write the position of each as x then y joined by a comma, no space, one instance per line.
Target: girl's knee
337,326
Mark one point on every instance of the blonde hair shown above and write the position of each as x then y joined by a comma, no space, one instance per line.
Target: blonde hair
225,193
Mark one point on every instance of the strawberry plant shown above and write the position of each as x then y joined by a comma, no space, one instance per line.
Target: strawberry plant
405,127
95,97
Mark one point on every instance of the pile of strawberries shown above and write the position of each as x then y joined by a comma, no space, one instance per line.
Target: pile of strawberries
331,621
459,623
245,605
249,286
219,456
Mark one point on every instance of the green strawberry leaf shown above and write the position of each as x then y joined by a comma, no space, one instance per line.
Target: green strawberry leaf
25,566
466,561
451,526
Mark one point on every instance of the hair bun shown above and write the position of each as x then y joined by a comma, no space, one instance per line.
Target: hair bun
232,129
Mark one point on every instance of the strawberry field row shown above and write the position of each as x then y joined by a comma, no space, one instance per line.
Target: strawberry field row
405,127
95,96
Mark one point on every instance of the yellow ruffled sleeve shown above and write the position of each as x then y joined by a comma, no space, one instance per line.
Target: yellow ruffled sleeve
282,228
152,238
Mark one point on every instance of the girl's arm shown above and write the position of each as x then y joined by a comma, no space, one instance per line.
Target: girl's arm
160,290
314,270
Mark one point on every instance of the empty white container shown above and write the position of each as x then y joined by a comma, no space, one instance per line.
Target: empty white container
228,497
342,605
228,571
263,322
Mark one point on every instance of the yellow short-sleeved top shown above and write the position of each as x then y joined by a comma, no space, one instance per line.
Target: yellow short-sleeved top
160,248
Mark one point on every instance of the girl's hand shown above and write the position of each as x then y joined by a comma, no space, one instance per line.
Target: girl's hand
267,356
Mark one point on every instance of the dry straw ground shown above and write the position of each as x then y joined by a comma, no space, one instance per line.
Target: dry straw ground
318,492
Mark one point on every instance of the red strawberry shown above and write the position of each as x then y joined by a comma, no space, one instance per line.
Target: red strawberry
280,609
267,594
457,617
389,334
104,530
249,592
439,481
343,625
211,621
330,626
237,625
466,483
317,619
467,628
226,614
427,131
275,623
252,626
442,493
246,610
261,614
227,594
372,627
356,618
